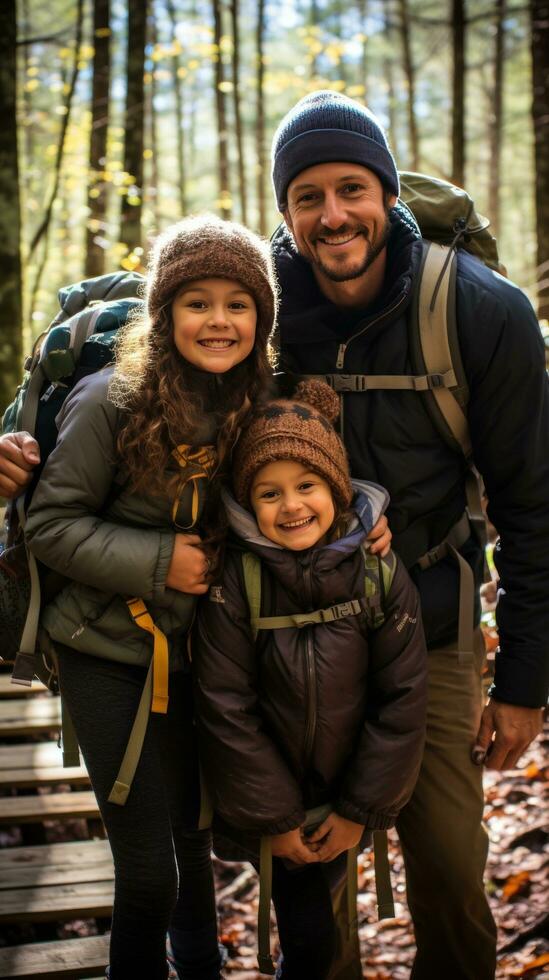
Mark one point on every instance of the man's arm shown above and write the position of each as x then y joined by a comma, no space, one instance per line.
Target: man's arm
508,413
19,454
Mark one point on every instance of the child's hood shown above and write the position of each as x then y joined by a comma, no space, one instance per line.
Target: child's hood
369,503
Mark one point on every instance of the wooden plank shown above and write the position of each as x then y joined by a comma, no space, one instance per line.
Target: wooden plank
69,959
86,899
48,806
20,716
9,690
27,778
40,855
32,755
63,864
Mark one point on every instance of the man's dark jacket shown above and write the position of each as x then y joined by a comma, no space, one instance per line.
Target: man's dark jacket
391,439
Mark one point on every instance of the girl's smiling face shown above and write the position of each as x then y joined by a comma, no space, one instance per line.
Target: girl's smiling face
294,506
214,323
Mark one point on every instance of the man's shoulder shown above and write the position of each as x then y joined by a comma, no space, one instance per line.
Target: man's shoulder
476,285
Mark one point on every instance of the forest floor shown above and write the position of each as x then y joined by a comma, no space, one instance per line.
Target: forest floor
517,884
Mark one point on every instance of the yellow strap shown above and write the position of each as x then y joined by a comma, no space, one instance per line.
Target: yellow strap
142,618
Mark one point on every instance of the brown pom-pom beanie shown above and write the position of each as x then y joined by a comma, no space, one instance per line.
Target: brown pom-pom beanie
204,247
299,429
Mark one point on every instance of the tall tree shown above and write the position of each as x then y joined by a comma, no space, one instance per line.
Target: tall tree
238,112
10,280
496,119
134,123
458,92
97,188
221,114
179,115
540,79
411,84
151,90
389,32
260,120
363,76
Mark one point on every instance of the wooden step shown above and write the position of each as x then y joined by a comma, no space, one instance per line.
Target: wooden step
29,716
9,690
69,959
32,755
48,806
52,864
72,901
32,778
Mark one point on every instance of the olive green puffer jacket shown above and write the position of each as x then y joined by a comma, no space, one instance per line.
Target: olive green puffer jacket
111,544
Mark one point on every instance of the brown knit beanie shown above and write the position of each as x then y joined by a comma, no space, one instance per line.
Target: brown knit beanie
203,247
298,429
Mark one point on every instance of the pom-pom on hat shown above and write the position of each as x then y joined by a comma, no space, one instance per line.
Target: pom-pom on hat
328,127
205,247
298,429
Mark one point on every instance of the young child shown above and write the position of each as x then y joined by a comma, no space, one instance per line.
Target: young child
303,716
119,511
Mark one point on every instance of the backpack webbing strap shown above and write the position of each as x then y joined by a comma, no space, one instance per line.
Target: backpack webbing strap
384,891
436,301
264,958
29,409
456,537
142,618
386,382
252,582
24,666
123,782
340,611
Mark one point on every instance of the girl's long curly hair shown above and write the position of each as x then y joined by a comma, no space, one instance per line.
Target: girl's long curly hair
151,385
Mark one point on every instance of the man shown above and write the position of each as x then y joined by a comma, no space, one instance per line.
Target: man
347,257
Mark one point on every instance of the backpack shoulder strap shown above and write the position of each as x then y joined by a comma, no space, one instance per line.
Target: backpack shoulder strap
378,578
251,567
434,344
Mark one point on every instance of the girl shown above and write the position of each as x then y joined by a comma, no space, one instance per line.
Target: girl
119,510
306,715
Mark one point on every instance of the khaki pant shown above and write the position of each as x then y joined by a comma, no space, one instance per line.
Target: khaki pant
444,843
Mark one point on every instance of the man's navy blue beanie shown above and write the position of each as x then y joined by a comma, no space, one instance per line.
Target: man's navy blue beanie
326,127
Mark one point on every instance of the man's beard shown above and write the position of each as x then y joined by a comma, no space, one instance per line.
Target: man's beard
373,250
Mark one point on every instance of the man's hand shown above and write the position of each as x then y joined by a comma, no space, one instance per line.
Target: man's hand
380,536
19,454
189,566
514,728
291,846
335,835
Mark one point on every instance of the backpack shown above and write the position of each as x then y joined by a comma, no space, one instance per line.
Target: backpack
378,577
447,219
79,341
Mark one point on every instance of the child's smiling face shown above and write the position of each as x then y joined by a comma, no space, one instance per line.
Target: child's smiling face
293,505
214,323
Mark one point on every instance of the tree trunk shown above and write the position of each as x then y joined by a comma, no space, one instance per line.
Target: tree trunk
389,75
45,223
496,121
97,188
220,108
410,79
179,114
540,101
238,113
458,93
10,281
154,188
260,122
313,22
134,120
363,79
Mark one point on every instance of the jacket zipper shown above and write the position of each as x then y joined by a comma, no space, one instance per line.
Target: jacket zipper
310,676
342,349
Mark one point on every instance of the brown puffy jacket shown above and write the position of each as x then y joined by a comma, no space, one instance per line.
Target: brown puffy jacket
327,713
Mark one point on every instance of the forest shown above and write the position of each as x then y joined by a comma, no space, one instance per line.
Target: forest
120,117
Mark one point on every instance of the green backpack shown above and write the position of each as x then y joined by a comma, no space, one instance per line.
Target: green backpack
378,577
79,341
447,219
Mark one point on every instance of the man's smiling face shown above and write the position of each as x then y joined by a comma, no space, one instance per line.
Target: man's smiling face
338,215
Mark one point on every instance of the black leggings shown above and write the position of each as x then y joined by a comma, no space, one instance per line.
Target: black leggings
163,871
